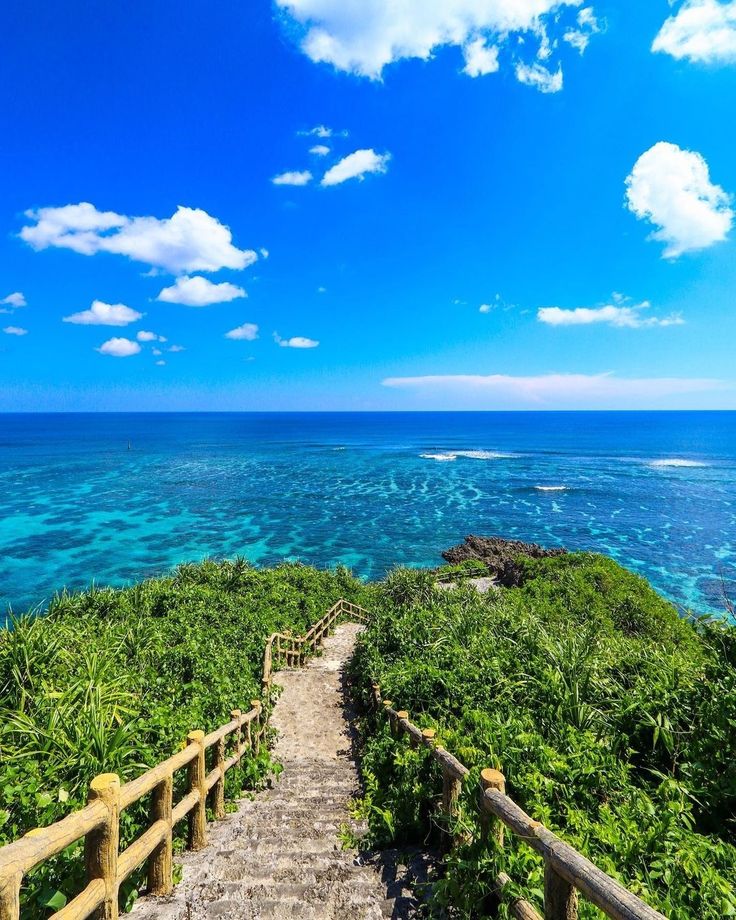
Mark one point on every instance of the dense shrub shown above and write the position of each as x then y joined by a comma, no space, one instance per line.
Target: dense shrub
113,680
613,719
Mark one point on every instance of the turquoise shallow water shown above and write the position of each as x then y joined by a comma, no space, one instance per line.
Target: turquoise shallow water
655,490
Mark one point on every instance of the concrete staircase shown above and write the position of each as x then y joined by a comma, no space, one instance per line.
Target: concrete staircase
280,855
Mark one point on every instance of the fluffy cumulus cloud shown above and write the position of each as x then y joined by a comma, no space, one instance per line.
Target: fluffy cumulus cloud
297,341
619,314
549,390
364,36
15,330
702,31
13,302
294,177
119,348
189,240
200,292
671,188
248,332
105,314
320,150
355,166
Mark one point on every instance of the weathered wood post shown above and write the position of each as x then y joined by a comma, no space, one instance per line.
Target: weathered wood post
451,788
197,775
401,714
560,897
101,844
256,738
10,897
161,861
428,736
491,779
218,790
238,714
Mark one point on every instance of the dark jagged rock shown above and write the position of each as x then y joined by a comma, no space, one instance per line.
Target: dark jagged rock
499,555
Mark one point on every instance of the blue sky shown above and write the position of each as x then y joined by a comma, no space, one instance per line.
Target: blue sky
519,205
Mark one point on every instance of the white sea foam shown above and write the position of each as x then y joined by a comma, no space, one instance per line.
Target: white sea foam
675,461
441,457
551,488
468,454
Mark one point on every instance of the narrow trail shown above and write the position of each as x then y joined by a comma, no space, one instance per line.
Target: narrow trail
279,855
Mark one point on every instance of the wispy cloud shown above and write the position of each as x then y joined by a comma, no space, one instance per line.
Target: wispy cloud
145,336
356,165
605,390
293,178
105,314
200,292
297,341
620,314
15,330
248,332
14,301
189,240
319,150
538,76
671,188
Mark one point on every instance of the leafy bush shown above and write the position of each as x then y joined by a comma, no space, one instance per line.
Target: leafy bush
613,719
113,680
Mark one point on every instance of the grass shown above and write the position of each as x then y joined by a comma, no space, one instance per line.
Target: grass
613,719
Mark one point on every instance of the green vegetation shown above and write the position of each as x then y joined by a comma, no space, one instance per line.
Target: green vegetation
613,719
113,680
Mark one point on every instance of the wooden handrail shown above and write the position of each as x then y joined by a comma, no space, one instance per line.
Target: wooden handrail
98,823
566,871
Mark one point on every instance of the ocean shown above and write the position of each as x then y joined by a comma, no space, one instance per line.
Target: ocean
113,498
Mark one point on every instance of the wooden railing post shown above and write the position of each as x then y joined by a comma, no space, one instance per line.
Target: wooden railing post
451,788
256,734
237,714
197,776
218,790
10,897
161,861
491,779
402,714
101,845
560,897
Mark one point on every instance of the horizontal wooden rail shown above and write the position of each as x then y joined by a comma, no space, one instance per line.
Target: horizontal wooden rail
566,871
98,823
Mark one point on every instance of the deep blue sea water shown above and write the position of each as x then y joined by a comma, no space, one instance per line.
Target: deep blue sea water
655,490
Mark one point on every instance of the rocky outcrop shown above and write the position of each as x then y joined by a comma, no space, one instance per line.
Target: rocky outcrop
499,556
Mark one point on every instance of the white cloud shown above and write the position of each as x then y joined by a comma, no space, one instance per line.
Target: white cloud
587,25
485,308
264,253
105,314
319,150
297,341
145,336
160,363
13,300
364,36
551,390
355,166
200,292
189,240
119,348
293,178
618,314
248,332
539,77
671,188
176,348
15,330
480,58
156,351
318,131
702,31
